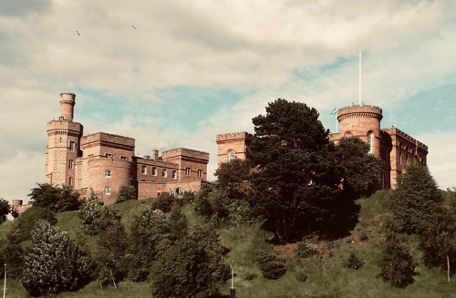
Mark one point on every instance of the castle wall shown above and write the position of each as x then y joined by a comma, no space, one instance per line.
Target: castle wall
191,164
154,189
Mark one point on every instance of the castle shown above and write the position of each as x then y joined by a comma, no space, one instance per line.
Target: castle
103,162
393,146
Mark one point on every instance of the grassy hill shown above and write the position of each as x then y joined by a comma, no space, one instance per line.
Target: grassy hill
326,274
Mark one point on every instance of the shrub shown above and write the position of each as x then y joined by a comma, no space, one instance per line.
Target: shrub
126,192
305,250
301,276
353,262
271,266
250,276
165,202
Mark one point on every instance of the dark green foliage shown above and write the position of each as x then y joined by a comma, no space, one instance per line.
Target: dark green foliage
5,208
438,242
305,250
212,202
54,198
110,255
295,175
189,268
415,199
95,217
178,224
150,233
271,265
360,171
397,265
27,222
353,262
126,192
54,263
165,202
234,178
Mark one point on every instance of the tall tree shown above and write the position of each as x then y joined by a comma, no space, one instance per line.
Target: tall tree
94,217
295,175
5,209
415,199
53,263
54,198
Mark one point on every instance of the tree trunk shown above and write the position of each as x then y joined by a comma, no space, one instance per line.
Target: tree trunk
448,268
113,280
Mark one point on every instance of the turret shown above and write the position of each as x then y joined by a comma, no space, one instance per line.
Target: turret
67,102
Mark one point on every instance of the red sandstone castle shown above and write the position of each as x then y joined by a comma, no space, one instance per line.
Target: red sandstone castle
393,146
103,162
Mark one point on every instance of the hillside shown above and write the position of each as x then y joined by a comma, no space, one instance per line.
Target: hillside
326,274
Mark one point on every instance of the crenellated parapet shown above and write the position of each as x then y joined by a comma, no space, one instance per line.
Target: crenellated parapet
359,111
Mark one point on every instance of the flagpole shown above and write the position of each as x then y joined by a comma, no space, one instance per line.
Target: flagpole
359,74
4,284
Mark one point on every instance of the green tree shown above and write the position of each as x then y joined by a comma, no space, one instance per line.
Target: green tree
53,263
94,217
188,268
54,198
415,199
397,265
438,242
360,170
149,236
26,223
5,209
126,192
295,175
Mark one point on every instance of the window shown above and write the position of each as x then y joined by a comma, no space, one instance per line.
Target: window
348,134
70,164
164,173
108,173
123,158
174,174
144,170
231,156
70,180
154,171
72,146
107,190
108,155
187,171
200,173
369,140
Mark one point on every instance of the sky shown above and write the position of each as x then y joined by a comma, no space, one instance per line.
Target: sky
177,73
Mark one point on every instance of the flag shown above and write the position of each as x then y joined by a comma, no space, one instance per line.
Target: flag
334,112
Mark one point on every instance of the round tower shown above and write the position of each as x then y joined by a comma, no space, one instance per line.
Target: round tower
362,121
67,102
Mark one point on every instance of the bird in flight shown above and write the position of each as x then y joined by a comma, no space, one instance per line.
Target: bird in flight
78,32
133,27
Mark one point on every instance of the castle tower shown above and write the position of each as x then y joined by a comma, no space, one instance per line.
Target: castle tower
63,144
233,145
362,121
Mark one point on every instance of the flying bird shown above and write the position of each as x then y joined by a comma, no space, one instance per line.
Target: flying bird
133,27
78,32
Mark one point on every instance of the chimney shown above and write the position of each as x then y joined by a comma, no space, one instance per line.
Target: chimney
155,155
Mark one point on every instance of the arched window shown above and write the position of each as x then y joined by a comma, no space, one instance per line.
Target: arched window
348,134
370,135
231,156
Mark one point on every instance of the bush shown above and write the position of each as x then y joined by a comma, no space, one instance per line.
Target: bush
353,262
305,250
126,192
250,276
301,276
271,266
165,202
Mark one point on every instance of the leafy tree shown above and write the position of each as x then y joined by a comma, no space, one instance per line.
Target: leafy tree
53,263
397,265
415,199
149,236
188,268
21,229
126,192
5,209
438,242
165,202
234,178
95,217
295,174
360,170
110,255
54,198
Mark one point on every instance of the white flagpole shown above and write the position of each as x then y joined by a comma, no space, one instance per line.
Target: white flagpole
359,75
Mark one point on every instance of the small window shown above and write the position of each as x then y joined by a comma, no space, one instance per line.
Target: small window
123,158
154,171
70,164
108,155
72,146
107,190
144,170
369,140
174,173
164,173
348,134
187,171
108,173
231,156
200,173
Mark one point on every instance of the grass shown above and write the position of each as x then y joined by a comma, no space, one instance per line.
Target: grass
327,277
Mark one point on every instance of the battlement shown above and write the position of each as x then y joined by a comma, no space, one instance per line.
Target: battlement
107,138
234,136
186,153
357,111
403,135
